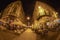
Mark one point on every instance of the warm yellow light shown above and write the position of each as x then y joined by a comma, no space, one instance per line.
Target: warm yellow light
56,15
28,30
41,10
39,7
28,18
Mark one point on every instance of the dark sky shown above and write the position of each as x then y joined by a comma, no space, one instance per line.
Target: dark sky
28,5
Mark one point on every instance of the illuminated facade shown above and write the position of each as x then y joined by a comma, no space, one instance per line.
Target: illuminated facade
14,10
42,9
42,14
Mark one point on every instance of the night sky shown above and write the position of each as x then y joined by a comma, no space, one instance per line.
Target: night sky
28,5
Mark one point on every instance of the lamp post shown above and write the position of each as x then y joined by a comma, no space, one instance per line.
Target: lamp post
28,23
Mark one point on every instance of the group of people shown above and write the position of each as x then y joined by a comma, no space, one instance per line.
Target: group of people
44,28
9,25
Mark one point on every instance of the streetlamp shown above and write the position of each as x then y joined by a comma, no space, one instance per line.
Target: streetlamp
28,23
28,18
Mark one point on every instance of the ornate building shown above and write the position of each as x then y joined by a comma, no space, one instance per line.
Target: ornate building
42,9
14,11
43,13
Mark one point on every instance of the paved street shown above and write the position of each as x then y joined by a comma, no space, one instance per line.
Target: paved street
28,34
